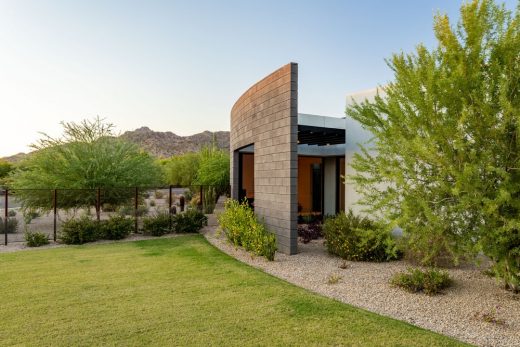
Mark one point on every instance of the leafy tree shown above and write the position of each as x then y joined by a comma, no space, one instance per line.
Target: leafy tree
444,160
5,169
87,156
181,169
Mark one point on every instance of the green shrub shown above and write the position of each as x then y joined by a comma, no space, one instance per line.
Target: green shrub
36,239
11,213
359,239
159,194
152,203
430,281
29,215
12,225
116,228
242,228
128,210
190,221
157,225
79,231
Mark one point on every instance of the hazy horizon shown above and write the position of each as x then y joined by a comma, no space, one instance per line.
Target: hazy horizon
180,66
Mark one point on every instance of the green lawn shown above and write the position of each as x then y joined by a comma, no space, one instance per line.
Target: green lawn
179,291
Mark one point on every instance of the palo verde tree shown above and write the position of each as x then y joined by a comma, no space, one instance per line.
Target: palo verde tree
87,156
444,162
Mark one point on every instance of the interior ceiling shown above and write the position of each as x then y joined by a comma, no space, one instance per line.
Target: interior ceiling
309,135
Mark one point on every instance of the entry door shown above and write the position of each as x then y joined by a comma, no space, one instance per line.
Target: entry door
317,188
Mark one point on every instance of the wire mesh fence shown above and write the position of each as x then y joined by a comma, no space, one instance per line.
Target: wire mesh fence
45,210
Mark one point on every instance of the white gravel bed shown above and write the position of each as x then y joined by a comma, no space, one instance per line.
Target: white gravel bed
365,285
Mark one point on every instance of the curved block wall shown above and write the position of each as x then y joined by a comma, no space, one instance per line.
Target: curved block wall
266,115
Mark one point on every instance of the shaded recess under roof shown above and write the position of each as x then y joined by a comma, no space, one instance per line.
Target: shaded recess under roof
311,135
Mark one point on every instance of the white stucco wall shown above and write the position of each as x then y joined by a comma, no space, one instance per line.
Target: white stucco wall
355,135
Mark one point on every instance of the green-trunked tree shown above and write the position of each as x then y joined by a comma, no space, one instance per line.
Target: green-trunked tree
444,160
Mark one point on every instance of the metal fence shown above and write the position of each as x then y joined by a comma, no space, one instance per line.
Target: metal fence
44,210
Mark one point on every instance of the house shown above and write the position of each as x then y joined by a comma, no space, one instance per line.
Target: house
288,164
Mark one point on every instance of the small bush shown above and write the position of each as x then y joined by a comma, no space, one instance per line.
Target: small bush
159,194
128,210
430,281
157,225
12,225
359,239
29,215
11,213
311,231
36,239
333,279
116,228
242,228
190,221
108,207
152,203
79,231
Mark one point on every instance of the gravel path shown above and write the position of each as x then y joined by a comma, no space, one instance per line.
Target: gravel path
365,285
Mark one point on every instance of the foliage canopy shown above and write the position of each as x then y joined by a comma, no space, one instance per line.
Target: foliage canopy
87,156
446,157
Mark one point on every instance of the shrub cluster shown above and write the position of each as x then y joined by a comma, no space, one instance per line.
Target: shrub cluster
242,228
359,239
84,229
157,224
116,228
12,225
190,221
36,239
79,231
429,281
311,231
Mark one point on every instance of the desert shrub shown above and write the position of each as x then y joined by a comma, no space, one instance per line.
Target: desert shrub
127,210
311,231
152,203
242,228
36,239
109,207
79,231
190,221
116,228
157,224
359,238
12,225
11,213
29,215
431,281
159,194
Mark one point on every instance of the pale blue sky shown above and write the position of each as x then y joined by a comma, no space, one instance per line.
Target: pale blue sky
179,66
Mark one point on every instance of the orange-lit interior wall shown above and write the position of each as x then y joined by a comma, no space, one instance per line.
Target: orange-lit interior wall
248,174
304,182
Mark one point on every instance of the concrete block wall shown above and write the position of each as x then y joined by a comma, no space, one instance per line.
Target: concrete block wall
266,115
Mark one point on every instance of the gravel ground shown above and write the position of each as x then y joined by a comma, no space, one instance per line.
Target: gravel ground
365,285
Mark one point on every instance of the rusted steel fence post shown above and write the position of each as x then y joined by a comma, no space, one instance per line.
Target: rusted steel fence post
98,204
170,207
6,214
201,197
55,207
136,207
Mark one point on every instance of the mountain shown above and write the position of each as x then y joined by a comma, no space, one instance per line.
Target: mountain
162,144
165,144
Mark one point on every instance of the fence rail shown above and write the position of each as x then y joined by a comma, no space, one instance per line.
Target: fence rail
45,209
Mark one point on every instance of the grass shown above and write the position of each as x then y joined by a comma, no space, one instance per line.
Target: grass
179,291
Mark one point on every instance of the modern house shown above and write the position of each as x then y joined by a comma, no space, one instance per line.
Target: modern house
288,164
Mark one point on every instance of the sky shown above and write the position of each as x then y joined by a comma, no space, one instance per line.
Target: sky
180,65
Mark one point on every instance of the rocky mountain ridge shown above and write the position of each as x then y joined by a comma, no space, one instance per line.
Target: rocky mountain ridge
162,144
